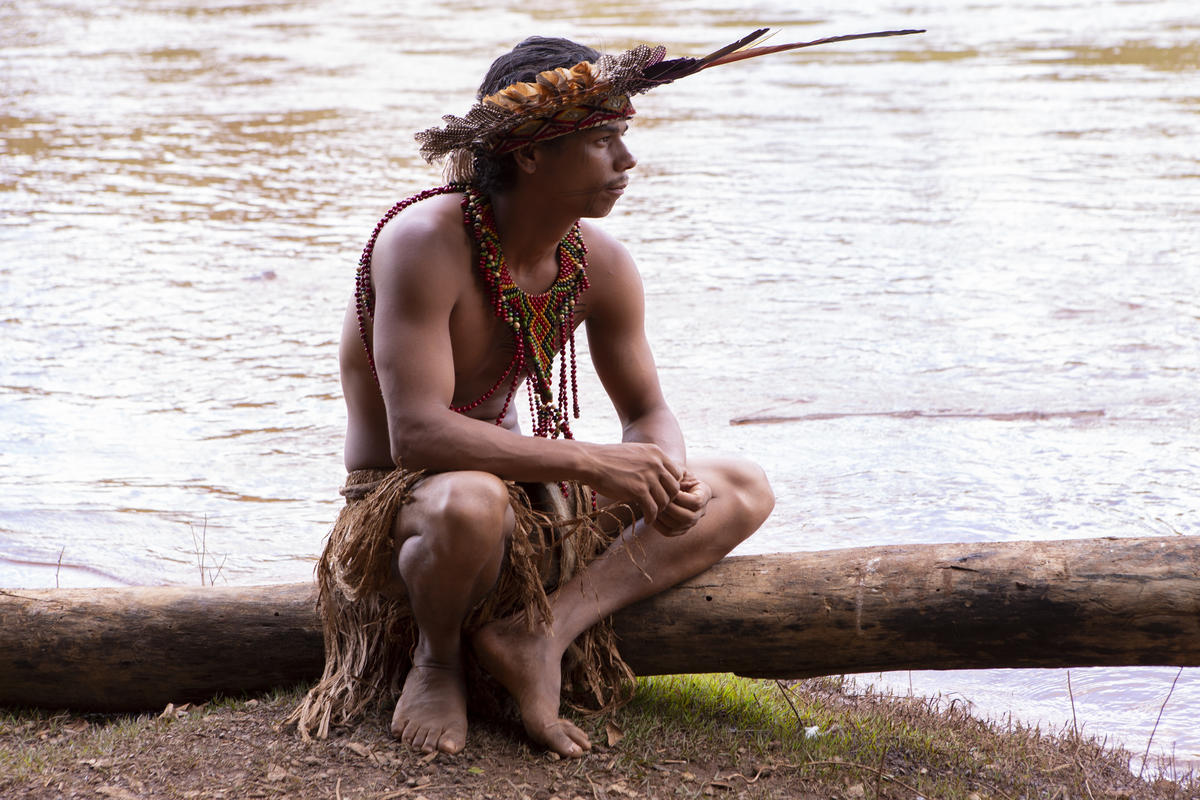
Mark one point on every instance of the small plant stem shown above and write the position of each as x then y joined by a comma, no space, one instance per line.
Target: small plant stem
786,696
1158,719
1074,721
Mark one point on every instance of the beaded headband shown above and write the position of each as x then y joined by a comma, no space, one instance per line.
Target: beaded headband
565,100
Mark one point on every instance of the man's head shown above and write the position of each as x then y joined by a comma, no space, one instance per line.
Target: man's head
491,171
541,91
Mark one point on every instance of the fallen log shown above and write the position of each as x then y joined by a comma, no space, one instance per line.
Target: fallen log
1092,602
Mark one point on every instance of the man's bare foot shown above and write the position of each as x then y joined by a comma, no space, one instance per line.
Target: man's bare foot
530,668
431,713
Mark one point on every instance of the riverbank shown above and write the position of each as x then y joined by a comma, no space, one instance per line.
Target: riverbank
683,736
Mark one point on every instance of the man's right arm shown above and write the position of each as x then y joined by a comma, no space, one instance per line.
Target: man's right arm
420,272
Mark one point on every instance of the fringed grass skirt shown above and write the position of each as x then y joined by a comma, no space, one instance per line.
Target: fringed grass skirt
370,635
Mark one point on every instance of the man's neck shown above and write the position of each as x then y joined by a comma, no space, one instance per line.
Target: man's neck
530,229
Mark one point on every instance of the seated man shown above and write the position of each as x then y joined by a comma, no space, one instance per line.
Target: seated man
464,294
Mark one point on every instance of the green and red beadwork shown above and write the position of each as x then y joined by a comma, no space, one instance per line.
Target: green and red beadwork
543,325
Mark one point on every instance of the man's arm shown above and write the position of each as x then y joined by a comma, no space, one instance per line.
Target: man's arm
625,364
421,269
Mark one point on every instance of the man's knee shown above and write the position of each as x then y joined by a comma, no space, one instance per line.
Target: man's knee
462,510
744,485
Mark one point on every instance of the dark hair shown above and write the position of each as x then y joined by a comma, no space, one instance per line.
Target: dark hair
492,173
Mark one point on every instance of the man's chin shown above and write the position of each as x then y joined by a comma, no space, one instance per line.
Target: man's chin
603,205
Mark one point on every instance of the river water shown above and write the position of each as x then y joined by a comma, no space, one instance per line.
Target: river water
965,265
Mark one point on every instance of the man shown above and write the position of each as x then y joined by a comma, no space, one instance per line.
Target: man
451,287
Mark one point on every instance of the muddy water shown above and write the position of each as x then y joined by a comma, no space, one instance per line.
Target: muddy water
963,267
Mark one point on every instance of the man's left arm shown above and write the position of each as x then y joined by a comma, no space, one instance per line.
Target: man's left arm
623,360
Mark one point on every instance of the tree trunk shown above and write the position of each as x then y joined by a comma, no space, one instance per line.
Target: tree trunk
1092,602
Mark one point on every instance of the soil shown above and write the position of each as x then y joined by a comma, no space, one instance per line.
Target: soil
887,749
231,753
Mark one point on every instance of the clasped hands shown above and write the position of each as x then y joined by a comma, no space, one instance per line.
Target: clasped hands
670,498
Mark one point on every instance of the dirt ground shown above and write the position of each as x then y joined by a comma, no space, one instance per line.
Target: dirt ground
228,753
886,749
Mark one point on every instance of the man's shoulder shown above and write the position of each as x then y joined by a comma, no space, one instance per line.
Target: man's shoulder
614,283
606,254
427,231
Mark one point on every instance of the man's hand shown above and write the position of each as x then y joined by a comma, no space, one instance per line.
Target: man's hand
686,508
639,474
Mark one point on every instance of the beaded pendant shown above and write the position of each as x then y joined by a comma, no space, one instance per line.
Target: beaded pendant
542,325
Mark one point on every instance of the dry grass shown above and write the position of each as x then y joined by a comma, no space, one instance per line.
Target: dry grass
684,736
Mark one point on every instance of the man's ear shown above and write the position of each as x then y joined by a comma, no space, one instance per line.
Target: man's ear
526,158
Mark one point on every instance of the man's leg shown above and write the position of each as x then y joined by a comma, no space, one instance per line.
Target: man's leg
450,541
641,563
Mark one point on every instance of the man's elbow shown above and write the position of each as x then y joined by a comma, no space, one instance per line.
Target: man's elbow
411,445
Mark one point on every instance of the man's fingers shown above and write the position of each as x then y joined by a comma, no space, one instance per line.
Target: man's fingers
670,485
652,505
689,499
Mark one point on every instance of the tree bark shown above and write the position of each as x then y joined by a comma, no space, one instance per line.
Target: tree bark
1091,602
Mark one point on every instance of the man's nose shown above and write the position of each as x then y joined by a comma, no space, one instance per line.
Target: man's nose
626,159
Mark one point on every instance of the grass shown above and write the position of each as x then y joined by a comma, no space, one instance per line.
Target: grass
683,736
836,734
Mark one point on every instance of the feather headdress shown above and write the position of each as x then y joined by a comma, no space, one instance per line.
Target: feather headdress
569,99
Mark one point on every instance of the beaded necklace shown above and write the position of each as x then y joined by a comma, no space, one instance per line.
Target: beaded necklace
542,324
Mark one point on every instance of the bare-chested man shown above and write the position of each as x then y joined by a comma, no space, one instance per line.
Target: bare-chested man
433,393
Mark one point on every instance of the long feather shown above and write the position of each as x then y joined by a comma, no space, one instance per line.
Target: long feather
675,68
753,52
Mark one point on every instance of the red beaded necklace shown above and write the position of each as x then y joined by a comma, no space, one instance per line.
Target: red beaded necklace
542,324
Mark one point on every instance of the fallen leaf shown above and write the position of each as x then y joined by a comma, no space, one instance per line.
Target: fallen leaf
116,792
276,773
857,790
615,734
359,748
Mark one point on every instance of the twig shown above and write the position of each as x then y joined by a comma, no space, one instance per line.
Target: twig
1074,721
787,697
59,567
200,550
1162,708
757,775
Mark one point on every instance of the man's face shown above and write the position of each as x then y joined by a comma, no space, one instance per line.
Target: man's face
588,169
